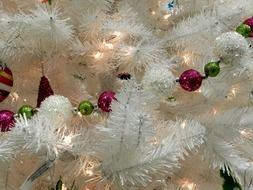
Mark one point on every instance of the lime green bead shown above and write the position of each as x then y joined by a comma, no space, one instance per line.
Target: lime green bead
244,30
26,110
212,69
85,108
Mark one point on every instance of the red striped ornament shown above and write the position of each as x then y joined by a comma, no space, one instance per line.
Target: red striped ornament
6,82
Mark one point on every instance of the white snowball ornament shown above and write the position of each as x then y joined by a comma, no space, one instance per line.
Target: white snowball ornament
159,80
57,107
230,47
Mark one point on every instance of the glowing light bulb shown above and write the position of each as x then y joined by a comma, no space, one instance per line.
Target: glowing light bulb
246,133
233,91
89,172
155,141
188,185
64,187
14,97
214,111
183,125
186,58
199,91
108,45
165,17
98,55
68,140
153,12
79,114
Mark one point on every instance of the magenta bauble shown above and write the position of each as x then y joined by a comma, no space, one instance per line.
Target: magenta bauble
105,99
6,120
249,22
190,80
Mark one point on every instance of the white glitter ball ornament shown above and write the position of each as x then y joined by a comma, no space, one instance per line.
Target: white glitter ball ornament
230,47
159,80
56,106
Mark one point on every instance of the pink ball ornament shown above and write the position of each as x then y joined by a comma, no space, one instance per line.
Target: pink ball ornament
6,120
190,80
105,99
249,22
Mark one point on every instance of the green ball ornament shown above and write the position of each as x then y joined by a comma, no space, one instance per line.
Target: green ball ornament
212,69
244,30
85,108
26,110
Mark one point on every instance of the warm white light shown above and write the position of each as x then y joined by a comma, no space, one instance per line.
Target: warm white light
25,100
188,185
64,187
89,169
186,58
199,91
108,45
214,111
98,55
233,91
155,141
67,139
166,16
79,114
89,172
183,125
14,97
153,12
246,133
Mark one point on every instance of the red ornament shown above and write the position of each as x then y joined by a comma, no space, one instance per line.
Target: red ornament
6,82
190,80
105,100
249,22
45,90
6,120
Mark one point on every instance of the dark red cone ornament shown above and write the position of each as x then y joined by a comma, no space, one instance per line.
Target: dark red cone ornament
45,90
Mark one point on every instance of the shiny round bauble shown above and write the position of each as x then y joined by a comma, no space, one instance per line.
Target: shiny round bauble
249,22
86,108
27,111
6,82
244,30
105,99
212,69
6,120
190,80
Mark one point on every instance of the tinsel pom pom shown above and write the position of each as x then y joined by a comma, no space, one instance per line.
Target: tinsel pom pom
45,90
159,80
230,47
56,106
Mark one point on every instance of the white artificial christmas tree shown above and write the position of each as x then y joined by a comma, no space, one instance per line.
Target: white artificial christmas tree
126,94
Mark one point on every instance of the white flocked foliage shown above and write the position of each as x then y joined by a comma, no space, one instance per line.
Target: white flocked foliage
157,135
